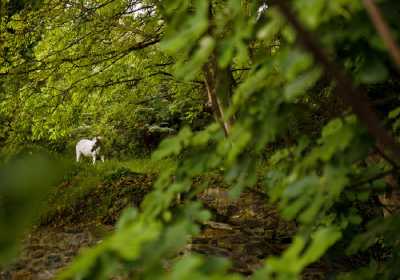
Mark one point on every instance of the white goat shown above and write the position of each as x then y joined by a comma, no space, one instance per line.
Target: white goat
88,148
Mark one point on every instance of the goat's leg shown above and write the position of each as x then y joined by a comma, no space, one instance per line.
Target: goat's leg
94,158
78,156
102,158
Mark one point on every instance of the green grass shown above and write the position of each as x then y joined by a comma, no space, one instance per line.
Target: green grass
83,178
145,166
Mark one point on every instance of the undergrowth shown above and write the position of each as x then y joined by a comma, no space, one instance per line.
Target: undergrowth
98,192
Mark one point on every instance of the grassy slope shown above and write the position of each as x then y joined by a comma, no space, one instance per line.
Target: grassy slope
98,193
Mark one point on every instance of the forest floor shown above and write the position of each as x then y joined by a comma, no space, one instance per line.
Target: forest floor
246,230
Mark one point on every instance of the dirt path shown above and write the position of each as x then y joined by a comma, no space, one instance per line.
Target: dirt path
46,250
246,231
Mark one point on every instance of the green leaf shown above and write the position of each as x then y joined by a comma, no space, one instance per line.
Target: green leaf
301,84
373,71
25,182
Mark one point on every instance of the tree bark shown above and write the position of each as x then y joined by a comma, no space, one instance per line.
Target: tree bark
219,85
210,77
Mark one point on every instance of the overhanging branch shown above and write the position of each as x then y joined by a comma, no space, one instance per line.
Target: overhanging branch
383,30
355,97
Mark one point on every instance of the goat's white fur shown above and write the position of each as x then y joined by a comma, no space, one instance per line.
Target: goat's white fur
85,147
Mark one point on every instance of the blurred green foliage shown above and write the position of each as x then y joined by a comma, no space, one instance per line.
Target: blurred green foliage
25,183
118,68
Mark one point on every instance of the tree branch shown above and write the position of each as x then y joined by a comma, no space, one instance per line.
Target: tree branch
371,179
352,96
383,29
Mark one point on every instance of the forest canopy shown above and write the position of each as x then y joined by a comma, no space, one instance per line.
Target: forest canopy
294,100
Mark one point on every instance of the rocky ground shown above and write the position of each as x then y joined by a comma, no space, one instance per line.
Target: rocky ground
245,230
47,250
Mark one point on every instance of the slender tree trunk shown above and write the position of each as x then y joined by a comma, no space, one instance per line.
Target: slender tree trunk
218,104
219,86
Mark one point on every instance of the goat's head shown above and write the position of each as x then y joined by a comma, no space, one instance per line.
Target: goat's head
97,142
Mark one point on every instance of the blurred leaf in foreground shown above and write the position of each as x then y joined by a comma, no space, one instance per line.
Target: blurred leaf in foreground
24,184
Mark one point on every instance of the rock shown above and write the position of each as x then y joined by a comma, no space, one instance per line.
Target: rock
53,261
73,230
23,275
36,265
5,275
38,253
216,225
46,275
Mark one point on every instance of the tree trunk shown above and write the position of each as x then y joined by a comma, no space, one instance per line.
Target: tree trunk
217,96
219,86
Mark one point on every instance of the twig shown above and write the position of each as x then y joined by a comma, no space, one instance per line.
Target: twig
383,30
388,159
352,96
371,179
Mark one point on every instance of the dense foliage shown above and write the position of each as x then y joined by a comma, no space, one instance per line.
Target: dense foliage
69,73
303,96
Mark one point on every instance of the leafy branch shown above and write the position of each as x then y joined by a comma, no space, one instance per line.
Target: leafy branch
355,97
384,31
